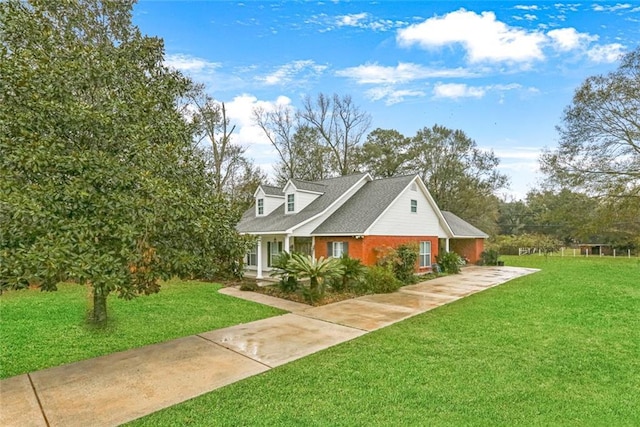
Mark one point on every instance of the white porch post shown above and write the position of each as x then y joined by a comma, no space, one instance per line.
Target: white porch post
446,244
259,259
285,246
313,247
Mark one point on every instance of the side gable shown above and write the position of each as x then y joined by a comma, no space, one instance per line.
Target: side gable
398,219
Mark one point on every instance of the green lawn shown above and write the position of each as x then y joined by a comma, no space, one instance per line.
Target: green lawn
560,347
44,329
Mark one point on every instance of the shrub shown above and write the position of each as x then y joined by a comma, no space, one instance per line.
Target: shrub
489,257
317,270
404,269
380,280
352,274
288,279
449,262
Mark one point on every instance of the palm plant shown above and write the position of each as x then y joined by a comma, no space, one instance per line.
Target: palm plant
280,268
317,270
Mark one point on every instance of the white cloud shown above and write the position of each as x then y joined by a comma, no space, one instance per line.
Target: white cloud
606,53
299,70
482,36
530,17
401,73
566,39
525,7
611,8
189,64
457,90
353,20
240,114
392,95
361,20
462,90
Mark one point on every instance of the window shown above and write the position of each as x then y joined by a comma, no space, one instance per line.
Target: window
291,205
274,249
414,206
252,256
260,206
425,254
337,249
414,187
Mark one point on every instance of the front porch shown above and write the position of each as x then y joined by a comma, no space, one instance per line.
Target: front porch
268,246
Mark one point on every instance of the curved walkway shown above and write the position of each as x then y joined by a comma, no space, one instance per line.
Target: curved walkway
120,387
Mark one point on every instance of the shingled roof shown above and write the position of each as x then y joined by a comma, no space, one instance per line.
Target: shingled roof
462,228
358,213
316,187
270,190
278,221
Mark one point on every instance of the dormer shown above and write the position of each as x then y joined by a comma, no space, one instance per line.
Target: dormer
267,198
299,194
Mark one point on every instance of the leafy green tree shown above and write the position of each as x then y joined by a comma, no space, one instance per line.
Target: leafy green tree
99,181
599,147
515,217
385,153
461,177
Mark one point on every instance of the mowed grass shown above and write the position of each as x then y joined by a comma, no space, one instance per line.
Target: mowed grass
44,329
559,347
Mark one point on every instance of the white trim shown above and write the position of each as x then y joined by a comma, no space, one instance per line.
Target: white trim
432,202
339,199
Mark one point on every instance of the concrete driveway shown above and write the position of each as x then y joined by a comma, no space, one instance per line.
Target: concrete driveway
119,387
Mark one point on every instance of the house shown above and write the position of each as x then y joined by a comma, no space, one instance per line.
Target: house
356,215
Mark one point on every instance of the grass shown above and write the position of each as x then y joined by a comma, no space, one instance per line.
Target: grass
44,329
560,347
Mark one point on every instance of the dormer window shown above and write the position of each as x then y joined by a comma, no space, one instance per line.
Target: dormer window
291,204
260,205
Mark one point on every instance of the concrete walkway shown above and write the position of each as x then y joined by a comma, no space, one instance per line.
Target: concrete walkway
120,387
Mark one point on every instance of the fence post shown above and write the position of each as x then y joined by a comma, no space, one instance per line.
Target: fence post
586,252
574,251
614,253
629,252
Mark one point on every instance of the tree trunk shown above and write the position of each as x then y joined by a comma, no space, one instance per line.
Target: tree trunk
99,315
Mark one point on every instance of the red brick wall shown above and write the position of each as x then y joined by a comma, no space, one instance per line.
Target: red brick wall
467,248
364,249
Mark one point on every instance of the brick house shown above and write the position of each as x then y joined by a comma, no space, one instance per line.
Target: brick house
356,215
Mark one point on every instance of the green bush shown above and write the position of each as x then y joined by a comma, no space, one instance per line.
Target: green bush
380,280
489,257
404,269
351,276
449,262
288,280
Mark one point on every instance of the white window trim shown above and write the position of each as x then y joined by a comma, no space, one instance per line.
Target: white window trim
337,253
292,203
260,207
253,251
414,202
425,257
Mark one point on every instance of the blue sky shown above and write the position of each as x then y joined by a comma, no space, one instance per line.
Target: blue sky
500,71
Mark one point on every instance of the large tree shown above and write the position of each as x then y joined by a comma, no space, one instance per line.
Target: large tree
213,133
385,153
99,181
341,125
461,177
599,147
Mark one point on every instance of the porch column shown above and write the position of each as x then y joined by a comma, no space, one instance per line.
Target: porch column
285,246
259,259
446,244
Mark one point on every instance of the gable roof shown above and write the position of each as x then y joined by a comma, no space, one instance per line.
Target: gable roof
279,222
462,228
358,213
316,187
271,190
